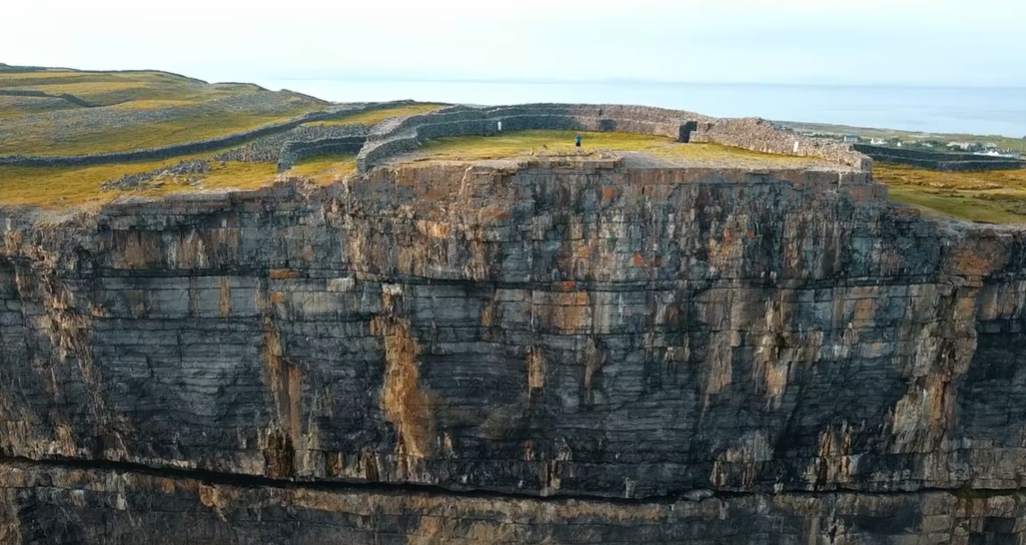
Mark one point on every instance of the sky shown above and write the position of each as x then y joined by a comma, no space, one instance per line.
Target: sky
871,42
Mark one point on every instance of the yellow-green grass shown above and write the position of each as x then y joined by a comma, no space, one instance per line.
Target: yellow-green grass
107,88
325,169
152,104
54,187
58,187
236,175
997,196
50,141
512,144
374,117
189,110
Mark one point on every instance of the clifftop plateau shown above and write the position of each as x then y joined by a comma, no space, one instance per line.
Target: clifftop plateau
684,341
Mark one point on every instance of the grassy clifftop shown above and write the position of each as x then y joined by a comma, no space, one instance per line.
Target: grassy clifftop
997,196
70,112
54,111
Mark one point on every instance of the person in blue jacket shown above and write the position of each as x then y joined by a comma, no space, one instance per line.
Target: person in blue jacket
577,140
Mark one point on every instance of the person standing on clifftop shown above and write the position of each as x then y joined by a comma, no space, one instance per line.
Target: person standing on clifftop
577,140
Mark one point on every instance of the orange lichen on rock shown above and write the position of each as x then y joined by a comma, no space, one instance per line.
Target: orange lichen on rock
408,407
284,382
283,274
568,311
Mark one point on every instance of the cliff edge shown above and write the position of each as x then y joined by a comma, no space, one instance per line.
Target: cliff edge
553,350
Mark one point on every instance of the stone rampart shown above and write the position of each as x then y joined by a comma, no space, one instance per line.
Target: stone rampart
31,93
294,151
765,136
947,162
405,135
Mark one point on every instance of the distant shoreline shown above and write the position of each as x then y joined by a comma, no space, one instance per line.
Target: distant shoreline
984,111
639,82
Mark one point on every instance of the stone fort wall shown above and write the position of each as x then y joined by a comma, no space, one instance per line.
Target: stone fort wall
327,140
404,135
401,135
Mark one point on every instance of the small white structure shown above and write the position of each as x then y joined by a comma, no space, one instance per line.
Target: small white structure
500,126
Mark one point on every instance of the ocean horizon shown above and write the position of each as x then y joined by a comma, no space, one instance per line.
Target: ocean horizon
999,111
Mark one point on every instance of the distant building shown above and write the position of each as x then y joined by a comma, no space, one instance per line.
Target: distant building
995,153
850,138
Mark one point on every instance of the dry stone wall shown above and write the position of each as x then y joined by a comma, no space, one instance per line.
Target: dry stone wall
189,148
765,136
29,93
321,141
391,139
950,162
401,135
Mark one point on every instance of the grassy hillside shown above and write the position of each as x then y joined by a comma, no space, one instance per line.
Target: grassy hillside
69,112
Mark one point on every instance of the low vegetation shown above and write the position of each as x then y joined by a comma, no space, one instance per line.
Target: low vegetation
41,139
56,187
72,186
469,148
97,112
325,169
997,196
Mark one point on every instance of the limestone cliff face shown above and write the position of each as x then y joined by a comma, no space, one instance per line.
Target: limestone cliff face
504,353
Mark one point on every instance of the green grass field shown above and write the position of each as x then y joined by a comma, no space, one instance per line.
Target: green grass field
110,88
993,197
325,169
198,124
131,110
470,148
60,187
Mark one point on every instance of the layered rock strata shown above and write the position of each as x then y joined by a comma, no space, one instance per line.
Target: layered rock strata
571,351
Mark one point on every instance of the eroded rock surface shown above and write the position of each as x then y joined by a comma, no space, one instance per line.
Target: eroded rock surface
577,353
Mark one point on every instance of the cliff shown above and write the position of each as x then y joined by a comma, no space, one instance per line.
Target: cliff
565,351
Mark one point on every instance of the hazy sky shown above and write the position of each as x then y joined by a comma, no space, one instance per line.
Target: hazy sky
909,42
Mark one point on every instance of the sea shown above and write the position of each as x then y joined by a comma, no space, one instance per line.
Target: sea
958,110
